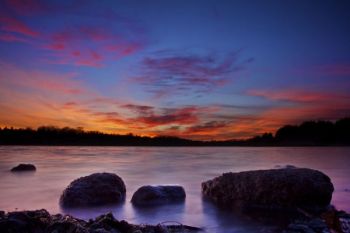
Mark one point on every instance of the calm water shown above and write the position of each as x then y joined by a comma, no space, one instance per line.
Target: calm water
58,166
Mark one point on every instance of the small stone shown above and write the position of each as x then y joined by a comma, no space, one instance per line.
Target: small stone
23,168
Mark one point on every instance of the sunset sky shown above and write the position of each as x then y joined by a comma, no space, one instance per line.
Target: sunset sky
195,69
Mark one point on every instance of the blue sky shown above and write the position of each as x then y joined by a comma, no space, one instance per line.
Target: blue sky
195,69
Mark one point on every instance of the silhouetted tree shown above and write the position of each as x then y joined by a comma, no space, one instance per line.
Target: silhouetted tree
309,133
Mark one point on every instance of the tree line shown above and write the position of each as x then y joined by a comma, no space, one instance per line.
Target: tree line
310,133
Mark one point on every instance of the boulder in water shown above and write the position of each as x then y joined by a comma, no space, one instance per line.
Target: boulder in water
162,194
95,189
275,188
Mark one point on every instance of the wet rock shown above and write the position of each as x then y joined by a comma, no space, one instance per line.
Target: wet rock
67,224
2,214
344,222
40,221
25,221
162,194
93,190
23,168
106,222
275,188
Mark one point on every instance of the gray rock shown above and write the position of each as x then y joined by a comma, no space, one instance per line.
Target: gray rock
93,190
280,188
162,194
23,168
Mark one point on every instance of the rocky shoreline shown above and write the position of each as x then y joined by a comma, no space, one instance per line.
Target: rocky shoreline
40,221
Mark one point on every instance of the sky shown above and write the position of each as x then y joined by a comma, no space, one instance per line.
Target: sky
204,70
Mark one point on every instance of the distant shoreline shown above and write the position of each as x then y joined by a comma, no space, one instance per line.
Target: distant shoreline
307,134
195,146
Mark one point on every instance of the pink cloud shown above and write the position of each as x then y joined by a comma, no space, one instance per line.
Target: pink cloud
79,45
97,42
11,24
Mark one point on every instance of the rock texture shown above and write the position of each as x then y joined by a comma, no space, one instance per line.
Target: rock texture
93,190
275,188
23,167
329,221
40,221
162,194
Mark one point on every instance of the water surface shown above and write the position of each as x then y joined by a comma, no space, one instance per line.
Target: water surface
58,166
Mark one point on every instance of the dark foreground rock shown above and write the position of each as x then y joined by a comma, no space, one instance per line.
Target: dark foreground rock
162,194
275,188
329,221
93,190
23,168
40,221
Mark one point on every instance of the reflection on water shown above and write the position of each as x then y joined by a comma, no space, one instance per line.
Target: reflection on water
58,166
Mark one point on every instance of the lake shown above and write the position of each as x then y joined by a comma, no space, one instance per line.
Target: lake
137,166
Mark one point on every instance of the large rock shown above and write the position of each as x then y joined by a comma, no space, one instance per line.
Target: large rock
23,168
150,195
275,188
93,190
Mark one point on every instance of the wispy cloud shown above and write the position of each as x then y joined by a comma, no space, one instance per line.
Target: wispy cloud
86,42
10,24
91,45
169,73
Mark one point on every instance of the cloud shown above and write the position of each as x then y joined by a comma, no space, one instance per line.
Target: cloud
299,95
303,105
35,80
181,116
169,73
86,42
139,109
11,24
90,45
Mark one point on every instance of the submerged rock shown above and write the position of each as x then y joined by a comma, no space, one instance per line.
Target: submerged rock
150,195
95,189
275,188
23,167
